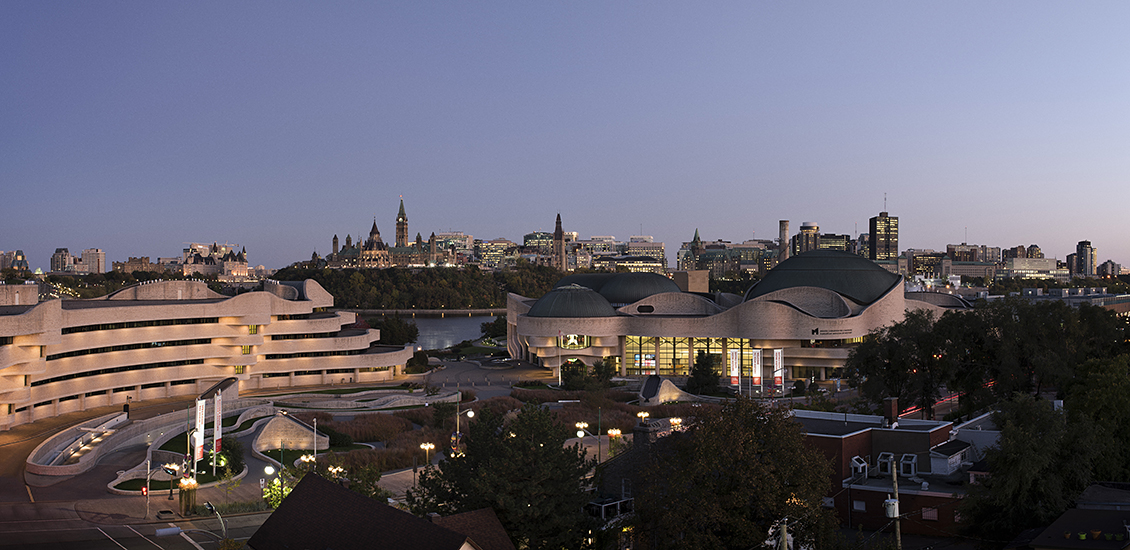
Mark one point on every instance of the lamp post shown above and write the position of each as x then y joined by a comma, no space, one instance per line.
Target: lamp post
309,460
427,447
457,436
172,470
676,424
643,417
581,428
224,526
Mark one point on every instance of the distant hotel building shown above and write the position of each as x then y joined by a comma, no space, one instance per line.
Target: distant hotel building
171,338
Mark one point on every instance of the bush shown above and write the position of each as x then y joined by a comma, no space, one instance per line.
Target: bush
231,449
419,359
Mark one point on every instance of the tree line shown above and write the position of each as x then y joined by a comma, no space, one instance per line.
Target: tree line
1011,356
431,288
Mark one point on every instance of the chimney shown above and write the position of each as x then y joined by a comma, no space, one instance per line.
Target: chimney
891,410
432,517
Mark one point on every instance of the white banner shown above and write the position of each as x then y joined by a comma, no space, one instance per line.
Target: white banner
218,418
779,366
198,436
756,367
735,367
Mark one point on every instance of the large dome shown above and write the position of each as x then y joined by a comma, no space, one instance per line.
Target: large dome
628,288
851,276
571,301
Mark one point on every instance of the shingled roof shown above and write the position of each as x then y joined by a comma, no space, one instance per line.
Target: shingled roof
320,515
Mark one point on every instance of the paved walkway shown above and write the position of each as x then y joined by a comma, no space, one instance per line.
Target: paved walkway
83,499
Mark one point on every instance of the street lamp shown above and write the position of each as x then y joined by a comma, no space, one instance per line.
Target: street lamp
427,447
308,459
643,416
457,436
676,423
581,428
224,526
172,470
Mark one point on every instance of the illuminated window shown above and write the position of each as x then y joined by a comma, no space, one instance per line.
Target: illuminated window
573,341
252,329
246,350
239,369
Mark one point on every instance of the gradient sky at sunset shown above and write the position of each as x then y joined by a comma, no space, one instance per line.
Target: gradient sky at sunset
138,126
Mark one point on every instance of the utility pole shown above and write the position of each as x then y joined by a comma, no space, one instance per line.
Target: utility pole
898,525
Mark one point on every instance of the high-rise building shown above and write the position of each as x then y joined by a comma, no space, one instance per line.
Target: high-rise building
62,261
1084,264
807,239
884,234
93,261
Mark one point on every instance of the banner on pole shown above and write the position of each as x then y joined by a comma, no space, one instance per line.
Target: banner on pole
217,422
198,435
757,367
735,367
779,366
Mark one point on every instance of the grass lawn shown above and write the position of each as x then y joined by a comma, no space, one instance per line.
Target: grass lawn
293,454
179,443
155,486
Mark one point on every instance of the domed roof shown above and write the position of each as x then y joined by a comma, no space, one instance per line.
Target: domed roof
591,280
572,301
849,275
627,288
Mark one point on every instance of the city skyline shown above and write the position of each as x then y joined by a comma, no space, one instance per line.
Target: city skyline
136,128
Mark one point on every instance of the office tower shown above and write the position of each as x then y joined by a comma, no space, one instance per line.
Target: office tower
884,231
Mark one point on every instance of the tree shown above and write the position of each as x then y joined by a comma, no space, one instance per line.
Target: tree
521,469
1040,464
904,360
1101,395
495,328
395,331
730,475
703,379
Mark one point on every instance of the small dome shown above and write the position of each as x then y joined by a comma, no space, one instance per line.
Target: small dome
849,275
572,301
628,288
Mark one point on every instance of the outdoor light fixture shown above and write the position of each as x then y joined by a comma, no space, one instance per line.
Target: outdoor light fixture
581,428
676,423
643,416
427,447
269,470
614,432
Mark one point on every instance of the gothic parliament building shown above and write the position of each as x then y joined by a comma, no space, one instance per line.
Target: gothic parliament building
374,253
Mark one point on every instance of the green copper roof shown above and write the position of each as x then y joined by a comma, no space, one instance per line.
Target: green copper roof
852,276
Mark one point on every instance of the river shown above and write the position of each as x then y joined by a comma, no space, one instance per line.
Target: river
438,332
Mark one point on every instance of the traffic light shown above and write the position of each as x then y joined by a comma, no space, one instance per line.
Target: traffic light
145,491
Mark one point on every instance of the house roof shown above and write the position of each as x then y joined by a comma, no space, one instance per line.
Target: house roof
1064,532
319,514
482,526
950,448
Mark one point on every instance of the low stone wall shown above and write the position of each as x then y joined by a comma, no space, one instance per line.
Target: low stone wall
282,431
66,442
385,402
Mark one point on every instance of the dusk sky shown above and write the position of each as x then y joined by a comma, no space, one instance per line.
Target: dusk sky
137,127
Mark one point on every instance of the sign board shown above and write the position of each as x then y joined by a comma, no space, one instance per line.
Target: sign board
735,367
779,366
217,422
756,367
198,435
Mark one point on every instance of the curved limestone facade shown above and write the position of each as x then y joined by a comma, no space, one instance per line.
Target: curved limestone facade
814,307
172,338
